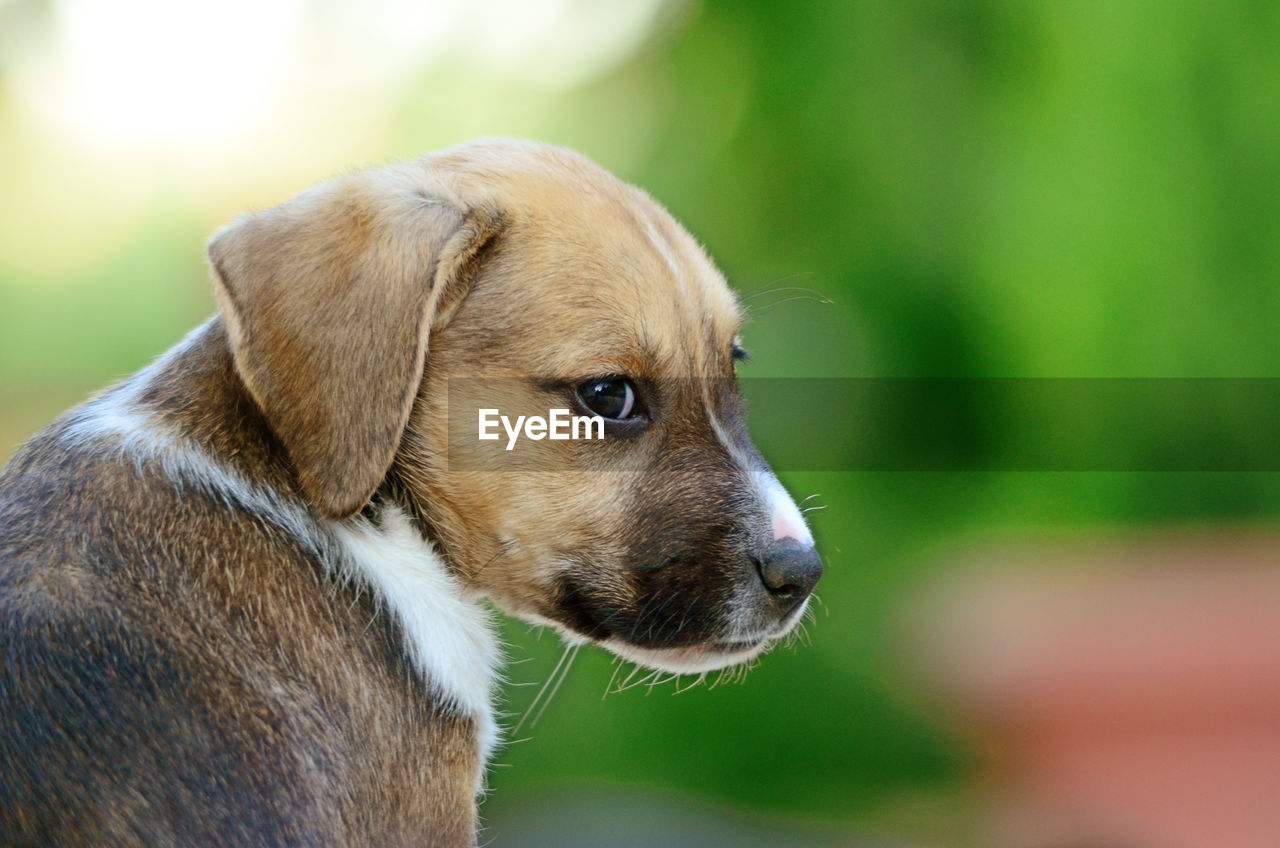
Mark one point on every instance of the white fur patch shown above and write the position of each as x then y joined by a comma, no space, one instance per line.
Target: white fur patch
115,422
785,516
692,660
115,413
449,637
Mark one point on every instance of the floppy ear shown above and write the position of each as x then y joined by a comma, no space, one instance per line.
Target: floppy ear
328,301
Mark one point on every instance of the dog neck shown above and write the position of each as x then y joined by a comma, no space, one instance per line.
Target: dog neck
191,418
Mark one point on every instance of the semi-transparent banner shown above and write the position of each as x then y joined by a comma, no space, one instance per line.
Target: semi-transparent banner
884,424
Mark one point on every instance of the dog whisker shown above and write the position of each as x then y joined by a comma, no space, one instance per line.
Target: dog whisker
683,611
563,674
569,650
689,609
697,681
626,684
653,679
503,550
804,290
661,681
776,288
617,666
647,679
649,610
799,635
758,308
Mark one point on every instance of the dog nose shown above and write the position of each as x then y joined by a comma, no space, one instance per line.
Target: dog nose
789,571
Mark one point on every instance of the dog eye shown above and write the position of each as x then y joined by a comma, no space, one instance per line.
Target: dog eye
609,397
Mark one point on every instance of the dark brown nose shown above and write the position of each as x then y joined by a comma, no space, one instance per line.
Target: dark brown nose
790,570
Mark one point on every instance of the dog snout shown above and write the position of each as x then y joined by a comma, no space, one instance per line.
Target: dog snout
789,570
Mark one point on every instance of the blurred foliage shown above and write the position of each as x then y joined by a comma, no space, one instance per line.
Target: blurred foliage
908,189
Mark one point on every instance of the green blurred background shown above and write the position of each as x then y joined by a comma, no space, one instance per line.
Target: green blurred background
997,188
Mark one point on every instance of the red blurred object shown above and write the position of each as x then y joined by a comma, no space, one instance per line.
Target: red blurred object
1126,695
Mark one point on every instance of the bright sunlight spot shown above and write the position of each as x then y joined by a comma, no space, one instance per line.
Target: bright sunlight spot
129,101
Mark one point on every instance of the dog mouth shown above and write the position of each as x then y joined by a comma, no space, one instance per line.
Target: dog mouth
710,655
698,658
700,642
734,646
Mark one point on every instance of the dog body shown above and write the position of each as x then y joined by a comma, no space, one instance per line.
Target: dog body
239,591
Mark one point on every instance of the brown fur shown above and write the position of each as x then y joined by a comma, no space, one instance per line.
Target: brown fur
183,664
248,654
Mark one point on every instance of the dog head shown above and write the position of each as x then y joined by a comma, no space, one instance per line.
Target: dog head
370,316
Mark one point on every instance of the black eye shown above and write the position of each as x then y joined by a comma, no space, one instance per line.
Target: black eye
609,397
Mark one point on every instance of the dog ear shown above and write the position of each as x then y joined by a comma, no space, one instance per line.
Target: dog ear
328,301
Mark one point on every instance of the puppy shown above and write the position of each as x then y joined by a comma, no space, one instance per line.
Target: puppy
239,591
